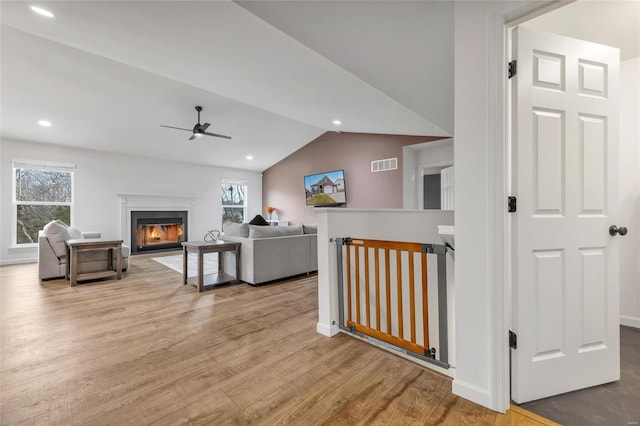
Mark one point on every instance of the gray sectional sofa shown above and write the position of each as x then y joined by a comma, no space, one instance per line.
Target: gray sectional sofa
269,253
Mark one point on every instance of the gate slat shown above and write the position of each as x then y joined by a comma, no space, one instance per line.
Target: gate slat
366,286
349,315
425,301
388,289
412,299
376,261
399,282
357,259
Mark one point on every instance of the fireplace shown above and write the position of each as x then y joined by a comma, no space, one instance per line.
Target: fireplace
153,231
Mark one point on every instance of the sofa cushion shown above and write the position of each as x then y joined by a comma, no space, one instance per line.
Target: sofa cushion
231,229
259,221
273,231
310,229
57,233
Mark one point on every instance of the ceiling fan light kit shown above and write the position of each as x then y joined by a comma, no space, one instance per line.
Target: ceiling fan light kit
199,129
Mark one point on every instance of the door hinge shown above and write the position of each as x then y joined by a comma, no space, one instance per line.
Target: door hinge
513,68
512,204
513,340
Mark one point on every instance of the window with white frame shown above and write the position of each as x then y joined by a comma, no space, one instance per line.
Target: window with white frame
42,192
234,201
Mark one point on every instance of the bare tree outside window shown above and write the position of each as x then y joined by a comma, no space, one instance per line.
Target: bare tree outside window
40,197
233,202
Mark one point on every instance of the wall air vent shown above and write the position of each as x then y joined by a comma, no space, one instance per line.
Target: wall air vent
384,165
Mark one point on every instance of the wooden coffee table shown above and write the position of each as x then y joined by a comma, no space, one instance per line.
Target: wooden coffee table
209,281
74,246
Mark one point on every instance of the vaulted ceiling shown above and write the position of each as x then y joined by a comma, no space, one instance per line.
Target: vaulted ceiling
273,75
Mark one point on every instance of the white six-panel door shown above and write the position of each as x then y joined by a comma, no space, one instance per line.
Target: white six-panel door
565,280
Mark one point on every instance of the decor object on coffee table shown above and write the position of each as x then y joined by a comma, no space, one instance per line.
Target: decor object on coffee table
212,236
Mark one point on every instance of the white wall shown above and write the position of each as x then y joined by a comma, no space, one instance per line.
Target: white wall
438,154
416,158
471,200
410,176
630,192
100,176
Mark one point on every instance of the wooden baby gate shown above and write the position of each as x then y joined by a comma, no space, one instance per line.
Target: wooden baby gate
384,295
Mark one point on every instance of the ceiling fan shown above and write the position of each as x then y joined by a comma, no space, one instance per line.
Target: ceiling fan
199,129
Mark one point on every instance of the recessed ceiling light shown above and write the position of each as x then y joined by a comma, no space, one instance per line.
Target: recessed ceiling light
42,11
337,122
249,157
44,123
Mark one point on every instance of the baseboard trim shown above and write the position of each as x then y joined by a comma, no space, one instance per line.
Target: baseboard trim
471,392
6,262
629,321
327,330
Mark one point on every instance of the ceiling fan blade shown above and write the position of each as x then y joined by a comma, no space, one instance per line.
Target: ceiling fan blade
193,136
217,135
205,126
179,128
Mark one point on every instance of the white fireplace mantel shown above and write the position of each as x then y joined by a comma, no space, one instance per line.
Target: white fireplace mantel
151,202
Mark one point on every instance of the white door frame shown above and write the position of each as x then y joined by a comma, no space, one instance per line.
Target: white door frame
501,20
429,169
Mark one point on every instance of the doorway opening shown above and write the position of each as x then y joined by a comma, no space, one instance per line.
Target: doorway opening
546,23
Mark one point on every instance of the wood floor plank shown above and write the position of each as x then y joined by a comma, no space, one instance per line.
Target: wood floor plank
211,409
459,411
427,391
148,350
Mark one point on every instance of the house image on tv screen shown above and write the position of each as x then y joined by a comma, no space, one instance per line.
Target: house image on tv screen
325,188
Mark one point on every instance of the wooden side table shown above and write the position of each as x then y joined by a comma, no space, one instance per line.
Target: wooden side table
74,246
206,282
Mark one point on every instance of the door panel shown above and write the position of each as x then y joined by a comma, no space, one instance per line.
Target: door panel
594,298
549,287
548,140
565,284
593,170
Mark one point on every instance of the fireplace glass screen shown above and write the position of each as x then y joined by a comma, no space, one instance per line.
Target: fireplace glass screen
158,234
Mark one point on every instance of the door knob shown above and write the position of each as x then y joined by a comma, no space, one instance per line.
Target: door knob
613,230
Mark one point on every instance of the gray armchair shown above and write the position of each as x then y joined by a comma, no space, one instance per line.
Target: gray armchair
52,260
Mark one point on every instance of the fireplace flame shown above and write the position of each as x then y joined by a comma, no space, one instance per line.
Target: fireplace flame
155,235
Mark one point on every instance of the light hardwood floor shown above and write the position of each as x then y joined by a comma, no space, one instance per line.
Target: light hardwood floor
148,350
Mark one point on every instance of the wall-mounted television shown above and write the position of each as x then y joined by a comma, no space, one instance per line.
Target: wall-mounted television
325,189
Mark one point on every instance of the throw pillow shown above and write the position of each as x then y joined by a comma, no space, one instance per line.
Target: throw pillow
231,229
259,221
57,232
310,229
75,233
273,231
